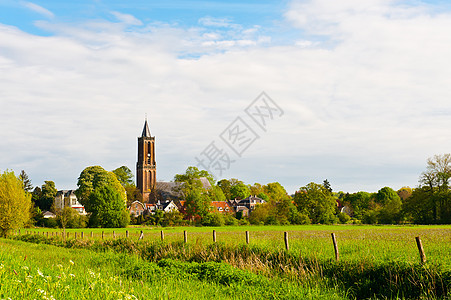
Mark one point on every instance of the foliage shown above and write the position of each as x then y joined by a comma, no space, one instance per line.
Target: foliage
192,175
26,182
431,202
225,186
92,178
215,194
239,191
70,218
47,195
15,203
124,175
213,219
317,202
390,212
107,208
197,203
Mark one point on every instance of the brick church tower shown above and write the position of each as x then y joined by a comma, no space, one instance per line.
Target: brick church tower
146,165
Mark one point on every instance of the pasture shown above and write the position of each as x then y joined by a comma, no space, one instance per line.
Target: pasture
374,261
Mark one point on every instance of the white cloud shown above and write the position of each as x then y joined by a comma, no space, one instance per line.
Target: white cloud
127,18
364,111
38,9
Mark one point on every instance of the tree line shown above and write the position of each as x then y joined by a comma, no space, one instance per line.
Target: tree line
106,195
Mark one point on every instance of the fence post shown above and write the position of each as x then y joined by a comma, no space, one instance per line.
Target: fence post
247,237
337,257
102,235
126,233
285,237
75,235
114,235
185,236
141,236
214,236
421,250
82,235
162,235
92,235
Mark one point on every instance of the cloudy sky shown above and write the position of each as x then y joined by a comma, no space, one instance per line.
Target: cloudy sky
362,88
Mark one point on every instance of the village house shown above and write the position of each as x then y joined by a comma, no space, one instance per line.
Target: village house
67,198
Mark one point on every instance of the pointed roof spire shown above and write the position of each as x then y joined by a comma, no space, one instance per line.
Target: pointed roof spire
146,131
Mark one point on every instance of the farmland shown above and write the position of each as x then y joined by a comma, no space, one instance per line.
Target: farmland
375,261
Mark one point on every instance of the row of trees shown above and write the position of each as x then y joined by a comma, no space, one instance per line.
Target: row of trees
429,203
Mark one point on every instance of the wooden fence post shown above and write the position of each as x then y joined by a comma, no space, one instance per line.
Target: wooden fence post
82,235
102,235
337,257
126,233
75,235
247,237
141,236
114,235
421,250
185,236
162,235
92,235
285,237
214,236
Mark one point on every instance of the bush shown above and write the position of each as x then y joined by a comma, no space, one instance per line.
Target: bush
230,220
213,219
344,218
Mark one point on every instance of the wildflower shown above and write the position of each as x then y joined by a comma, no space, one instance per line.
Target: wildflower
40,273
71,262
41,291
71,275
59,266
24,268
1,266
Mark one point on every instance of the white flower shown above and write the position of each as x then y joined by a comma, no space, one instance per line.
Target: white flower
71,275
71,262
24,268
41,291
40,273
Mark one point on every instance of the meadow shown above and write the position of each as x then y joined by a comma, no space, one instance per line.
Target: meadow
375,261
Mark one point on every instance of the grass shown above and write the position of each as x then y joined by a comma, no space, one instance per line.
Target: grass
39,271
356,243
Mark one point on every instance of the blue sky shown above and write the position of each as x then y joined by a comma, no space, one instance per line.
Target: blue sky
363,86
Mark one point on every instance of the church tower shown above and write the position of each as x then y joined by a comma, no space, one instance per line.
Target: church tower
146,165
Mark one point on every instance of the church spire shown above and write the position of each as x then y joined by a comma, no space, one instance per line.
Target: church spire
146,131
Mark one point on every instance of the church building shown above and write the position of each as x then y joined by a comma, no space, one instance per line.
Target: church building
146,165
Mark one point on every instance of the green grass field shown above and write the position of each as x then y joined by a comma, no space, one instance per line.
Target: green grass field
355,243
375,262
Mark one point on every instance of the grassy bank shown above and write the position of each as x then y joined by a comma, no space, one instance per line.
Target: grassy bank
355,243
364,278
41,271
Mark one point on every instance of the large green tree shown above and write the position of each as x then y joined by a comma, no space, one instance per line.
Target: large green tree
198,199
390,211
124,175
433,197
317,202
239,191
47,196
103,197
15,203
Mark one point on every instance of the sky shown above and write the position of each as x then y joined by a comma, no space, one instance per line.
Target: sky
355,92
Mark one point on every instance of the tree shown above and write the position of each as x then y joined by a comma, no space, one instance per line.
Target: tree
225,186
431,202
326,184
103,196
256,189
276,192
391,206
48,193
215,194
239,191
70,218
317,202
15,203
107,207
124,175
192,175
94,177
26,182
198,199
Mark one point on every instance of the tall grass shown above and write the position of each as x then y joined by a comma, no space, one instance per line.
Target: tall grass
358,278
38,271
